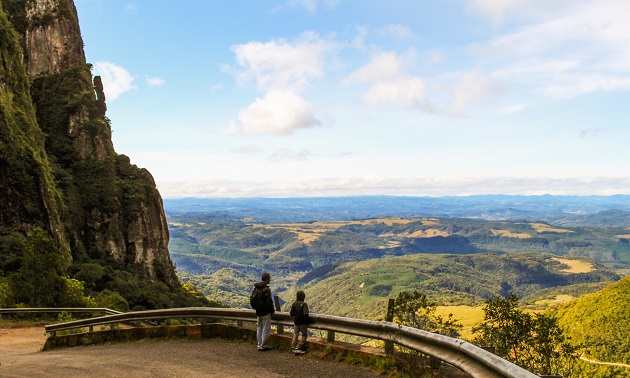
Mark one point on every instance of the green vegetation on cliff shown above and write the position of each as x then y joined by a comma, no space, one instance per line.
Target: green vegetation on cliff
30,198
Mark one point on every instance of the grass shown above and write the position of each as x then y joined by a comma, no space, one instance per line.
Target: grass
467,316
510,234
575,266
541,227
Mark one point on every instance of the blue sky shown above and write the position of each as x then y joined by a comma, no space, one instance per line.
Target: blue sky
361,97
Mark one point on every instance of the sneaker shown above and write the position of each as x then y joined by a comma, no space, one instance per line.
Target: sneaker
298,351
264,349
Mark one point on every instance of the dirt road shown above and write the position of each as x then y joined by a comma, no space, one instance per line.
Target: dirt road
20,356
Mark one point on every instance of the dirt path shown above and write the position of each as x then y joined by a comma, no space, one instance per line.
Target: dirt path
20,356
604,363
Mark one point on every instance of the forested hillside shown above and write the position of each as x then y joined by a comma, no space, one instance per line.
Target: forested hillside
464,261
601,321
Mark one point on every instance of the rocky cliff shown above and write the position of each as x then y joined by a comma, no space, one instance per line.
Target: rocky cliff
94,201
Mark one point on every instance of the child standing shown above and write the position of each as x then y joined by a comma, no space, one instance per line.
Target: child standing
299,309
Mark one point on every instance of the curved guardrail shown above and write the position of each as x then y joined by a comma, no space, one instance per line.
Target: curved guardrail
21,310
459,353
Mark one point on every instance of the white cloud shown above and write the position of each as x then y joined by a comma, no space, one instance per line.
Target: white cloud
131,9
397,31
388,81
281,70
284,154
279,64
154,81
248,150
513,108
277,113
472,87
589,133
585,48
500,10
435,56
312,5
359,41
343,186
116,80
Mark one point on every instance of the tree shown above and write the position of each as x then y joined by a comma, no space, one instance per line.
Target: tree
535,342
38,283
413,309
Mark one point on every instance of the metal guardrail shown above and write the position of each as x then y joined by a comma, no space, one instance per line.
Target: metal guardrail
19,310
459,353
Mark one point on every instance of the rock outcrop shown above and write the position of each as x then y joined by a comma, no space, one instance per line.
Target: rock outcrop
105,208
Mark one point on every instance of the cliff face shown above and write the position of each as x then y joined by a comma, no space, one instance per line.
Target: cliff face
29,197
112,208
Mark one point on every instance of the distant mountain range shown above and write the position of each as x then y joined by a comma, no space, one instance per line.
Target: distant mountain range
561,210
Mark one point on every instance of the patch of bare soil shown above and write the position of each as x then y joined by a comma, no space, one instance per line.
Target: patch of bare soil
21,356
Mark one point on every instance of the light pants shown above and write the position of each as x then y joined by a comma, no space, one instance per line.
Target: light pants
263,331
297,329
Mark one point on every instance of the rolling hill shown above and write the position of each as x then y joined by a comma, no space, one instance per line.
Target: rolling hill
601,321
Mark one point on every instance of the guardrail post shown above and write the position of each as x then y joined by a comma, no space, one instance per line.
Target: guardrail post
280,327
389,345
434,362
331,337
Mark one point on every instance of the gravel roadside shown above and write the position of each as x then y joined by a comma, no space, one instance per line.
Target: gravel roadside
20,356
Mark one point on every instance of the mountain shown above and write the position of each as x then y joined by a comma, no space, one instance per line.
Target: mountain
606,218
497,207
601,321
59,171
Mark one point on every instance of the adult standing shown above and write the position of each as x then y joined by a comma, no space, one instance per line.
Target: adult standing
263,303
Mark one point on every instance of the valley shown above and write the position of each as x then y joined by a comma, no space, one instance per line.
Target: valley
459,261
571,266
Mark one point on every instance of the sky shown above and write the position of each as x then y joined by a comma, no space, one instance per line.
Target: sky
297,98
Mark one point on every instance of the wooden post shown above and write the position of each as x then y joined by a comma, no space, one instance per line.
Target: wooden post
331,337
280,328
389,345
434,362
91,328
239,323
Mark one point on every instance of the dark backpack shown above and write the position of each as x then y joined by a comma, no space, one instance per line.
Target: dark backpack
297,310
256,299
